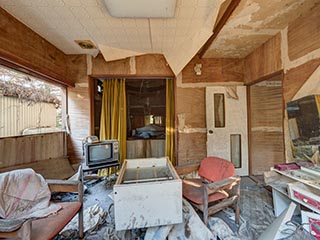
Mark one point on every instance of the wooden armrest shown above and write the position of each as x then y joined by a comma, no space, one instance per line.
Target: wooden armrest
222,184
66,186
187,168
63,185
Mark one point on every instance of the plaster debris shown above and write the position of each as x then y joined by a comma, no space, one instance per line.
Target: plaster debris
93,217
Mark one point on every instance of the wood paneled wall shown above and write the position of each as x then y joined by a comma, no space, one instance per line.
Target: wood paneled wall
263,61
295,51
191,114
266,134
304,34
31,148
296,77
190,103
21,45
145,65
79,120
214,70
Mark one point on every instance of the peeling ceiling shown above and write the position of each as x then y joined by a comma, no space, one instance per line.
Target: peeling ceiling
62,22
253,23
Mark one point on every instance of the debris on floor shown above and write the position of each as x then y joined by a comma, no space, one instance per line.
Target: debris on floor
93,217
256,215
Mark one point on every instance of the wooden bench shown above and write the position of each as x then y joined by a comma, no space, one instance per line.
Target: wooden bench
48,227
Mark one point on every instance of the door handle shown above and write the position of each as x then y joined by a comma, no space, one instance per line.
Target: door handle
210,131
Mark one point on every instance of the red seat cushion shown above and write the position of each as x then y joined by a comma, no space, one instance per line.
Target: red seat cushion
47,228
216,169
193,190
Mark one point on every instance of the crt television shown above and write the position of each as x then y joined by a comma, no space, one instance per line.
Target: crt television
101,152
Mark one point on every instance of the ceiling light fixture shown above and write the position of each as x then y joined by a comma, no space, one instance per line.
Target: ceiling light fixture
141,8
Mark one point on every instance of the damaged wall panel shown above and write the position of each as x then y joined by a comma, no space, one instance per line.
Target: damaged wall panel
191,119
296,77
214,70
145,65
280,53
192,147
190,102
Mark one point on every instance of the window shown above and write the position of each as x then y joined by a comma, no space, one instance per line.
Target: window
235,145
219,112
29,105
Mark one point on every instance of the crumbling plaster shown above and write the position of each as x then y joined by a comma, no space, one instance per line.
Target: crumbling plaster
253,23
288,64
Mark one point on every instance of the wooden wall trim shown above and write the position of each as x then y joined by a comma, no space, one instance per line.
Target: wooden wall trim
270,77
91,96
133,76
249,129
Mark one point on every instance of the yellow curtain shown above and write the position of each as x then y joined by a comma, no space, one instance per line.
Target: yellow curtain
113,124
317,98
170,146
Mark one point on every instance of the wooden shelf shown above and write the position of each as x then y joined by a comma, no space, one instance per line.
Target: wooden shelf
310,183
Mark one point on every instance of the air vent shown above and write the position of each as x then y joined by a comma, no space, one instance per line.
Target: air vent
85,44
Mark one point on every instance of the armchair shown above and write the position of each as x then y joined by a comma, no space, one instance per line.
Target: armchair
216,189
48,227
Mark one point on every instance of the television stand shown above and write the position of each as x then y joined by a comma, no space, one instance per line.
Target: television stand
114,164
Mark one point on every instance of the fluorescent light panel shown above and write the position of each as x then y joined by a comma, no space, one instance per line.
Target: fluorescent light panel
141,8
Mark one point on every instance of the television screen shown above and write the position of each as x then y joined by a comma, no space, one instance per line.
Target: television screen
100,152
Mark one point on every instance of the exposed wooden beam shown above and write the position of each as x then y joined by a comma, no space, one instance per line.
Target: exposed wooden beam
217,28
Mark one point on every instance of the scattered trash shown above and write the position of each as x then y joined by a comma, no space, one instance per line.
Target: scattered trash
93,217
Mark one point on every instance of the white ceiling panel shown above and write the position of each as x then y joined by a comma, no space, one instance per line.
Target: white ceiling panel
62,22
55,3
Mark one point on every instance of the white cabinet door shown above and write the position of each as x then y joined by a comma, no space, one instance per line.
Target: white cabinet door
231,138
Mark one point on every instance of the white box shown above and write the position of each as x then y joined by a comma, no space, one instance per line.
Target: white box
148,192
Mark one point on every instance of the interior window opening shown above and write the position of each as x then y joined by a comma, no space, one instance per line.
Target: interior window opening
29,105
146,108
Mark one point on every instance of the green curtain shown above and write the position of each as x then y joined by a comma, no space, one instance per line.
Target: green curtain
170,130
113,124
